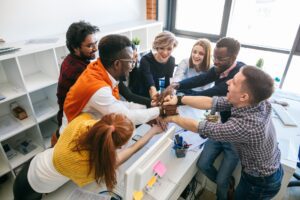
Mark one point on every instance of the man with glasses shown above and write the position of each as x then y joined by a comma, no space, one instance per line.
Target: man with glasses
225,67
96,90
82,44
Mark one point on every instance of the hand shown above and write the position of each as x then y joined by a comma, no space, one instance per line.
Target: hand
153,93
158,122
154,103
162,124
170,100
170,90
170,118
156,129
168,110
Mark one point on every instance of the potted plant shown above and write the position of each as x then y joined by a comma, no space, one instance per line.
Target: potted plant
260,63
136,42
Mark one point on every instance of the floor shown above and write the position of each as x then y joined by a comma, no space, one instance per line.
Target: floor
293,193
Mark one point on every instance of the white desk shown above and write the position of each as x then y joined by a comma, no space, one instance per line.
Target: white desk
180,172
289,141
184,169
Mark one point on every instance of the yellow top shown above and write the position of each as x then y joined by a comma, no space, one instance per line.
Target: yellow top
69,163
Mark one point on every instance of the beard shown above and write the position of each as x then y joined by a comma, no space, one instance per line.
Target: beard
222,69
91,56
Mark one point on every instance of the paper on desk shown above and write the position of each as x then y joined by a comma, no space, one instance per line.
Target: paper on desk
289,150
79,194
193,139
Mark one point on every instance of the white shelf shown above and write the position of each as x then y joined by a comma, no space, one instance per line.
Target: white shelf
47,128
20,158
9,126
29,77
44,110
10,91
37,81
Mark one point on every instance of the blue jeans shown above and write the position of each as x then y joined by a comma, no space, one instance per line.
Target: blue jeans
262,188
211,151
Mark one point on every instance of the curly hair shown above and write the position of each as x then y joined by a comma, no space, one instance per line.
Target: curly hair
77,33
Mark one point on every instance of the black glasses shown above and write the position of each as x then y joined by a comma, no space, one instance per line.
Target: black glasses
131,61
222,59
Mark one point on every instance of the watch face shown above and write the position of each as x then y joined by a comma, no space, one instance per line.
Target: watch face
180,94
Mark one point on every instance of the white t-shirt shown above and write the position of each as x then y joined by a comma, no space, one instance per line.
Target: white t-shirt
103,103
42,175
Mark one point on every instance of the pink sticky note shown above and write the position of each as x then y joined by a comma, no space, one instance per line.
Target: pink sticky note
159,168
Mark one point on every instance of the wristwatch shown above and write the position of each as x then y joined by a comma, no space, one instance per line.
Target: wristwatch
179,98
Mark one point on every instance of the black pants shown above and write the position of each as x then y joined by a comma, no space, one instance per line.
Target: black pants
22,189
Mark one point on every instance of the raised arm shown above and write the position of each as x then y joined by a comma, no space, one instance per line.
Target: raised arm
128,152
200,102
131,97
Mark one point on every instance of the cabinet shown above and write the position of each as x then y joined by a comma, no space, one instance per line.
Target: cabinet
29,77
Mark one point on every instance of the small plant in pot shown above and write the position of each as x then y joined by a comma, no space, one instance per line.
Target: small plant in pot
260,63
136,42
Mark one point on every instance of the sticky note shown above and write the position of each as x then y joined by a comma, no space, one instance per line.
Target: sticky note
151,181
159,168
138,195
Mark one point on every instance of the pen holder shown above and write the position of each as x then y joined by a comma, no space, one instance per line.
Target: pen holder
180,153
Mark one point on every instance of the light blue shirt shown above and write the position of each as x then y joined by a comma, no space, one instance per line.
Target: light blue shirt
183,71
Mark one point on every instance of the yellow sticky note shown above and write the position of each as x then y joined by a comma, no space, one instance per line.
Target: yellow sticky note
138,195
151,181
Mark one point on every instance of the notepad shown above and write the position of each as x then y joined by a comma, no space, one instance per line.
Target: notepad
283,115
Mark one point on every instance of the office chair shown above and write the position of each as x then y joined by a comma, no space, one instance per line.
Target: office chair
296,175
296,182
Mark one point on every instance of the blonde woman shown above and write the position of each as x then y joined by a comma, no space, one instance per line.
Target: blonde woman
197,63
157,64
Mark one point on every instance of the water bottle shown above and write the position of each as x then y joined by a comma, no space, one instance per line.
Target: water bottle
161,84
276,83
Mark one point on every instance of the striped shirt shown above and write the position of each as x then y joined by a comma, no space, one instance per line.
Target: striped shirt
251,131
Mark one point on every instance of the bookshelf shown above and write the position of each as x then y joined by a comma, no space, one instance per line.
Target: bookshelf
29,77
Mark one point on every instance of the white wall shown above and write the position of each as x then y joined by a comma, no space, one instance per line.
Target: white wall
162,11
28,19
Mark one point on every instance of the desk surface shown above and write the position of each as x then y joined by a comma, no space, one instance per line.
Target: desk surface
182,171
288,138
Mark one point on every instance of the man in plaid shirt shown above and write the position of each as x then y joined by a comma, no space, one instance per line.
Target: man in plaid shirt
249,129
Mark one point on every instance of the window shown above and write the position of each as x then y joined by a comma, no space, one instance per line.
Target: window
199,18
265,28
193,16
268,23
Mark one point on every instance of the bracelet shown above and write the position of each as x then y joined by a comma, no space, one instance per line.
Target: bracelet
179,102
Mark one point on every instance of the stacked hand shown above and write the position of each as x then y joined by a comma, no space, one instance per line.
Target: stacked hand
159,122
169,91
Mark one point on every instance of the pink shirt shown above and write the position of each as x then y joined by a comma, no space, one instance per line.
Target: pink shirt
225,73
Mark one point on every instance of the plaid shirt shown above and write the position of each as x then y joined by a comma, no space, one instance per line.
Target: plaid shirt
251,131
71,69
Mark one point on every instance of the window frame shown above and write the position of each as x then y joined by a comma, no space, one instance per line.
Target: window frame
171,19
